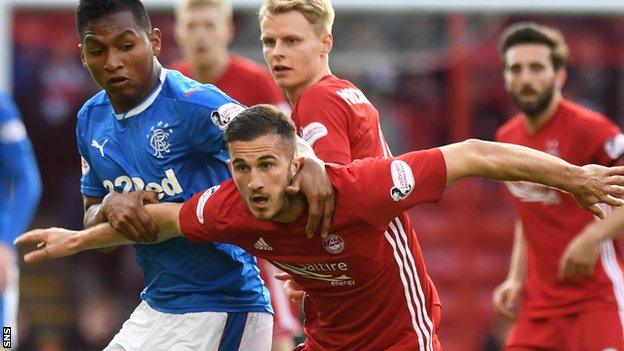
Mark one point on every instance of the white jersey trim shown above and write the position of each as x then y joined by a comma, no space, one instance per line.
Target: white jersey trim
146,102
415,299
613,270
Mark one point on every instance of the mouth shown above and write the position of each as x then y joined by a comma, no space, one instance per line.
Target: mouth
281,69
260,201
118,82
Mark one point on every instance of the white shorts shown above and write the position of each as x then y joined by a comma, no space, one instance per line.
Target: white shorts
9,301
151,330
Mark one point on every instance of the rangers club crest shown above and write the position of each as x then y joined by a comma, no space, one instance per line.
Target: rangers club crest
158,136
333,243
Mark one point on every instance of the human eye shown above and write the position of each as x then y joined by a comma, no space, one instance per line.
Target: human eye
127,46
241,168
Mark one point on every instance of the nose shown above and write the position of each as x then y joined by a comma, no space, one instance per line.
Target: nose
278,50
255,180
113,61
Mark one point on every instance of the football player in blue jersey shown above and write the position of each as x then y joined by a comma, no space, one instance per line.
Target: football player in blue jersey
155,135
20,190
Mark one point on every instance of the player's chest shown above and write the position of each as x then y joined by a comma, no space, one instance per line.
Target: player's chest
140,153
342,260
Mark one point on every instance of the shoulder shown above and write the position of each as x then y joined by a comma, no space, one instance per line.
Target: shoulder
191,94
219,204
583,117
329,89
98,100
513,126
240,63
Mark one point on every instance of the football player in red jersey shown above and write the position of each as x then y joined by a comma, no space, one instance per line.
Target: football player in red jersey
554,314
366,279
204,30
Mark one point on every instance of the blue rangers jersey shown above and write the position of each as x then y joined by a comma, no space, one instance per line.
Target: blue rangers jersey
171,143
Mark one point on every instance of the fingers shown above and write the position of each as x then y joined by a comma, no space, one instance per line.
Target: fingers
149,229
619,170
597,211
149,197
314,217
295,185
36,255
570,269
29,238
131,232
613,201
282,276
328,215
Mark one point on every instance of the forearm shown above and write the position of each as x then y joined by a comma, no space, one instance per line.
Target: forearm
517,266
508,162
165,215
304,149
610,227
91,217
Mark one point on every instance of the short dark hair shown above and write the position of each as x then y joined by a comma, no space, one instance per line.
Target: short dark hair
91,10
533,33
258,121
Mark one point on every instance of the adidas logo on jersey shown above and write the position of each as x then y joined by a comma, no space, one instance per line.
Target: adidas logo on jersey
168,186
261,244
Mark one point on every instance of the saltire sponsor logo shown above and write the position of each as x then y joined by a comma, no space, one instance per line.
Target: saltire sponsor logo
225,114
201,203
412,287
403,180
313,132
336,276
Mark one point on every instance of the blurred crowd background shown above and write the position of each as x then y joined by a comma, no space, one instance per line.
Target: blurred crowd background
435,78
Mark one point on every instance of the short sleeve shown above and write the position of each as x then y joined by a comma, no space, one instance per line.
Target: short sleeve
609,142
208,123
381,189
198,216
90,183
323,122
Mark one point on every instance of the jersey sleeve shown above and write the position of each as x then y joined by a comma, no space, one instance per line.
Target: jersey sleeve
323,119
608,142
207,124
377,190
198,217
90,183
20,187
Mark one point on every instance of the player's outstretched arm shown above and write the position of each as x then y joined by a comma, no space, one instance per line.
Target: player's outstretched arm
580,256
59,242
590,185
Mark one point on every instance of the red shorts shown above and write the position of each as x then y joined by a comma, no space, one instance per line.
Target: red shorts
597,330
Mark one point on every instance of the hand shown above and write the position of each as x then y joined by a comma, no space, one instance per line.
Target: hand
313,182
6,261
600,185
293,290
49,243
126,213
505,298
579,258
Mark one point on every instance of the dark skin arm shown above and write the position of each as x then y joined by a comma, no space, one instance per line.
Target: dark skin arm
125,212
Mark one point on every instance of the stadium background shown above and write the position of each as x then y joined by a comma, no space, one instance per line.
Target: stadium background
431,69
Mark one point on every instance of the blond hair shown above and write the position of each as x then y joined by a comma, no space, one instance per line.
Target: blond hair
319,13
224,5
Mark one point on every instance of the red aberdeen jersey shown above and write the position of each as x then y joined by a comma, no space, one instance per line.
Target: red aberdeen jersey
550,218
367,279
244,80
339,122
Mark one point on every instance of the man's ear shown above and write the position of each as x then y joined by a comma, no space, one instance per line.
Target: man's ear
155,39
82,58
297,164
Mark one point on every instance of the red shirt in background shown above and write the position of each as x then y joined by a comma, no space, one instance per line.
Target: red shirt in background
551,218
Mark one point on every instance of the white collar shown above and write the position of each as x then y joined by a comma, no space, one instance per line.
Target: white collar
147,102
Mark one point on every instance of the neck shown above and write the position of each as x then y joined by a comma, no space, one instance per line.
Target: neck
293,93
535,123
209,73
292,211
124,106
